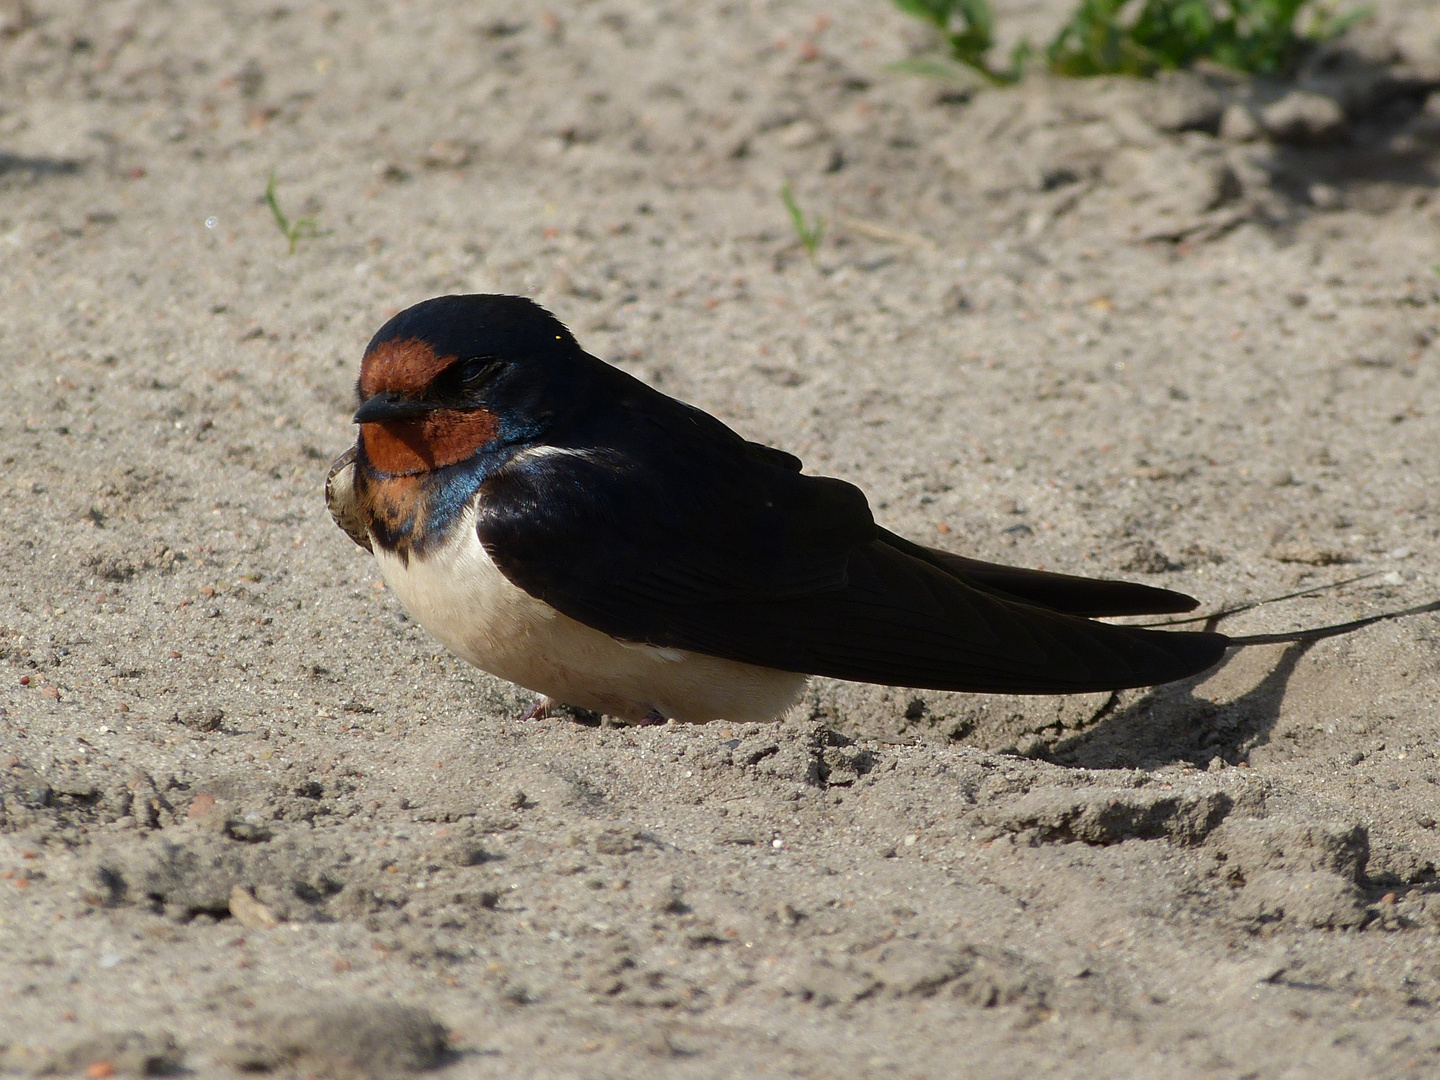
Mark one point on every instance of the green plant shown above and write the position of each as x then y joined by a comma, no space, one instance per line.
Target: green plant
1326,24
808,232
1112,37
969,31
293,231
1141,37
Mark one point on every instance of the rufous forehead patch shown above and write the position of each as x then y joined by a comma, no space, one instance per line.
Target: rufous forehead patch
405,366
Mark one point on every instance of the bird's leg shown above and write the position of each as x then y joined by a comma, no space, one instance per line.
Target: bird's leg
654,718
539,711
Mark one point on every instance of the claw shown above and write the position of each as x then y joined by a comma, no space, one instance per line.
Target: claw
654,718
539,711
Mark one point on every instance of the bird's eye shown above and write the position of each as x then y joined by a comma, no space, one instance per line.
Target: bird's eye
464,379
475,373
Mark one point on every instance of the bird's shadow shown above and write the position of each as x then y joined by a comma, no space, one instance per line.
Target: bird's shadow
1171,724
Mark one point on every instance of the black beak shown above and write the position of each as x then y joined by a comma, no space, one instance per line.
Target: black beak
391,406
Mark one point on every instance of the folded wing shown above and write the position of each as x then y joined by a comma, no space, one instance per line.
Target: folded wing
723,550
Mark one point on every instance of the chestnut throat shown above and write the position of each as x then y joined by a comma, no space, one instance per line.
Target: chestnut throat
433,441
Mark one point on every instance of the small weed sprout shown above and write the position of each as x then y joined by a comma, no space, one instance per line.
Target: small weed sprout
808,232
293,231
1141,37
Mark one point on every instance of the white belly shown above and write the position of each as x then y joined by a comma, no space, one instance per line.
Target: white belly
460,596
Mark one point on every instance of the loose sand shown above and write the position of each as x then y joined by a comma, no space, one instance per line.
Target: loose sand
252,817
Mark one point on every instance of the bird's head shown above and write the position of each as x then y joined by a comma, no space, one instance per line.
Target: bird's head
456,375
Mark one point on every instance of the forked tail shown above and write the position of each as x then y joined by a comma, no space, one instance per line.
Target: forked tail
1319,632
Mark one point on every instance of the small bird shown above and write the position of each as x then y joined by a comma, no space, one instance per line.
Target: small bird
560,524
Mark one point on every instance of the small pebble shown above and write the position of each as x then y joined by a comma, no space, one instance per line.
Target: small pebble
202,718
250,912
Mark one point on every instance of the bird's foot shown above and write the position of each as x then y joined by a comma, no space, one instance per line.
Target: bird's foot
539,711
545,707
654,718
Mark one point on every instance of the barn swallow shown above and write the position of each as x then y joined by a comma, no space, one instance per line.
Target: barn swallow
560,524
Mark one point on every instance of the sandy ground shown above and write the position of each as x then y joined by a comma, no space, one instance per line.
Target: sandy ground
252,818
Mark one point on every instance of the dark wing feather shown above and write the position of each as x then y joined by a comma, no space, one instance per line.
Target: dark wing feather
723,551
1090,597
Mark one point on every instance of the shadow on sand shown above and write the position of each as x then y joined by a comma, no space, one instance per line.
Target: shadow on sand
1170,724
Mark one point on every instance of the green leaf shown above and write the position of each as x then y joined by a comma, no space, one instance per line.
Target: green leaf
934,67
935,12
808,232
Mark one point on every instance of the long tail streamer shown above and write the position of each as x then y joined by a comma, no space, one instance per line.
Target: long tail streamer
1319,632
